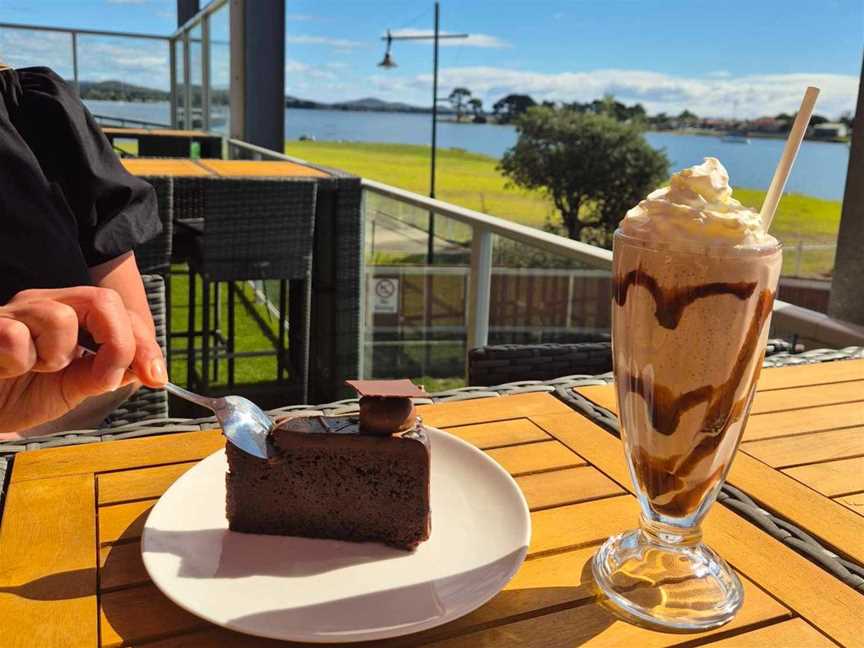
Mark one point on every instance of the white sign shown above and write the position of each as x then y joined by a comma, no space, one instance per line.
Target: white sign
385,295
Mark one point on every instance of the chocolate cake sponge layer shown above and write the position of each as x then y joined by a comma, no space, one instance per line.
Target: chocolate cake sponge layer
345,487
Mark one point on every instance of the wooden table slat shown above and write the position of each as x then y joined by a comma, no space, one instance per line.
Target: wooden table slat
797,422
48,564
840,477
164,167
500,433
807,448
101,457
535,457
489,410
260,168
137,614
798,398
126,485
813,374
121,565
123,522
852,502
775,400
568,486
795,633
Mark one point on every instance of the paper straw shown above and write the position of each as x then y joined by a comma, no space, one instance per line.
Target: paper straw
790,151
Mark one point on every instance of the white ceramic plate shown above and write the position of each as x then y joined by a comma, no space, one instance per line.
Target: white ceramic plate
301,589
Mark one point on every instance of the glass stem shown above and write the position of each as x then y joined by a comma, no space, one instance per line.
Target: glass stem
670,535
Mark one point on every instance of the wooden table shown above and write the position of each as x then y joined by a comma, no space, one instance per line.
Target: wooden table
166,142
219,168
71,572
803,449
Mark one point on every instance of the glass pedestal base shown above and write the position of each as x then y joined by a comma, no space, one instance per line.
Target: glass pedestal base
681,588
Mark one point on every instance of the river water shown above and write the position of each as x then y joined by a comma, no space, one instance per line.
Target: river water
819,171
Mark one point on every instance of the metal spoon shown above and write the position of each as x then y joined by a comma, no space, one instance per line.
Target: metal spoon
242,421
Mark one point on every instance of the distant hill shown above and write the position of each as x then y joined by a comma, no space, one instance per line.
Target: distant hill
114,90
120,91
370,104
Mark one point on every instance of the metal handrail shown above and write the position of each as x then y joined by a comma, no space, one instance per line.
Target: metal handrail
86,32
214,6
128,120
806,323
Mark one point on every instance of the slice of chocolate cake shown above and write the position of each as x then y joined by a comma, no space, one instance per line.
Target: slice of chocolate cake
360,478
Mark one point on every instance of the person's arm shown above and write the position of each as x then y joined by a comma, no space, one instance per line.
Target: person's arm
42,373
121,275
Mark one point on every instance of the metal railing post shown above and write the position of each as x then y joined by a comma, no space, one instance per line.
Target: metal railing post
75,62
205,73
187,83
479,288
172,61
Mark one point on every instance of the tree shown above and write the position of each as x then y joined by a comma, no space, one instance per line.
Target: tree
459,98
476,106
591,166
815,120
511,106
687,117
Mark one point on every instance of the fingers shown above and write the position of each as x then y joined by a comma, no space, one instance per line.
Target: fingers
149,363
53,331
102,312
17,350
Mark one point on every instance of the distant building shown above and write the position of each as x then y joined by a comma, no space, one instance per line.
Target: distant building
829,130
766,125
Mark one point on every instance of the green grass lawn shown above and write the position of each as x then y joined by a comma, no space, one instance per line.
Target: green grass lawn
471,180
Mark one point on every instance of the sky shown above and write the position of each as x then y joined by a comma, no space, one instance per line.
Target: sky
732,58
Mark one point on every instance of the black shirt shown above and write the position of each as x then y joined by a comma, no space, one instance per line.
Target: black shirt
66,202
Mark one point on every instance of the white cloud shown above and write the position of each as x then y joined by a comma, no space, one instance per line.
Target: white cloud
473,40
293,67
742,96
301,17
339,43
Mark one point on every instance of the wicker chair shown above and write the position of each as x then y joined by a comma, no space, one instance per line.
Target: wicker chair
505,363
147,403
154,256
255,229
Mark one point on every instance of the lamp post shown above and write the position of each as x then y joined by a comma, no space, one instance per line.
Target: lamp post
388,64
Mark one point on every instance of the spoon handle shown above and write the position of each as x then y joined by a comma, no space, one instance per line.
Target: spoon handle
89,345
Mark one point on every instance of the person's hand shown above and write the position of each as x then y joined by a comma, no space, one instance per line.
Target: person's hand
42,372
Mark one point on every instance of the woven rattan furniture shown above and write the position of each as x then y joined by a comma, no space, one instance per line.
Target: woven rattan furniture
592,355
89,503
146,403
254,229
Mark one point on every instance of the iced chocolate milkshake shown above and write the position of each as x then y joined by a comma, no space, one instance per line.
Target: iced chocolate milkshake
694,281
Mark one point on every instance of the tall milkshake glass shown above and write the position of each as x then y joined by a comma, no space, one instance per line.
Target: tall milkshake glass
691,309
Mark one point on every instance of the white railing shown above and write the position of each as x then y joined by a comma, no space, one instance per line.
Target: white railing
809,325
74,33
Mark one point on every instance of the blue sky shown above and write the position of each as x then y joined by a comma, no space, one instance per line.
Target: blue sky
716,58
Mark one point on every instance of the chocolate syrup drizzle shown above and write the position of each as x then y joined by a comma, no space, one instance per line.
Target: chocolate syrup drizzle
671,302
660,476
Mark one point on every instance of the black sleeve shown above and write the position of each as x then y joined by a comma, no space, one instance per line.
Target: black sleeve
114,210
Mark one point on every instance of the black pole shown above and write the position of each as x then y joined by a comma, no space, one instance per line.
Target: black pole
430,250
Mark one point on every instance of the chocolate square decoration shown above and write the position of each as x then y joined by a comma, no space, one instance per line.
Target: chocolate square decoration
403,388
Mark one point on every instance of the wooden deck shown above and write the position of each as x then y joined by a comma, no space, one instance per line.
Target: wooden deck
71,571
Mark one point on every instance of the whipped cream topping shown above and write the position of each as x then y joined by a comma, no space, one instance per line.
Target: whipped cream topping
697,206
